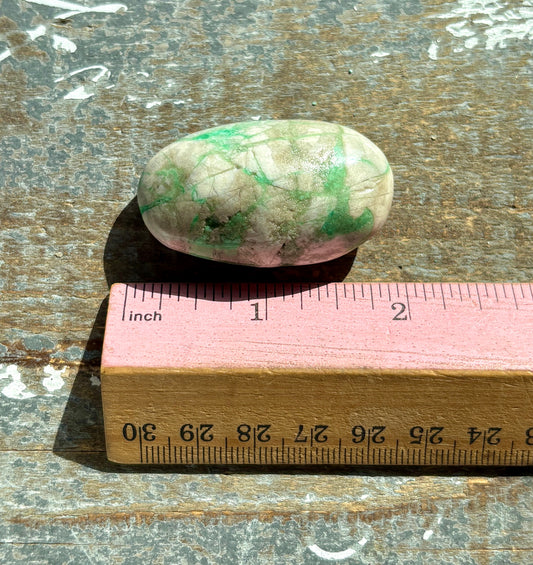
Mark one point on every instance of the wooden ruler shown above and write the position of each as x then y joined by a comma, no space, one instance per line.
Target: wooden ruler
296,374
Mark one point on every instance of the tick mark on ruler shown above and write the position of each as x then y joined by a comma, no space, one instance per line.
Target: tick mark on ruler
478,297
125,301
407,300
442,296
504,291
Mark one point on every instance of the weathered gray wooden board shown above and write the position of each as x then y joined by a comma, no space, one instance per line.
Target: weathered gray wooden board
443,88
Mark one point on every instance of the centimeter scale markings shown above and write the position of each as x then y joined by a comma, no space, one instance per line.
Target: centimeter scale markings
302,374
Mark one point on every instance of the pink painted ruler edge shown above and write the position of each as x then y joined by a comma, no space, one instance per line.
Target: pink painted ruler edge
338,326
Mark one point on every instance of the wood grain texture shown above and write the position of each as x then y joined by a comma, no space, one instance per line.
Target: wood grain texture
442,87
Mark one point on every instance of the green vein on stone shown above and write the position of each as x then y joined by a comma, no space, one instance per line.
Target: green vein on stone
224,138
335,171
193,189
195,221
172,178
259,176
334,174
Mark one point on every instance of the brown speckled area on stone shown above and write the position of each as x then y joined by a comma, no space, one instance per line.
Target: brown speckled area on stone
443,88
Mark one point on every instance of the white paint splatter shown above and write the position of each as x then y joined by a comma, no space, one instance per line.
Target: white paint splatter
364,496
471,42
95,381
432,51
459,29
362,542
54,381
427,534
149,105
104,71
57,4
256,118
489,23
331,555
143,73
102,9
16,388
5,54
39,31
73,9
380,53
61,43
80,93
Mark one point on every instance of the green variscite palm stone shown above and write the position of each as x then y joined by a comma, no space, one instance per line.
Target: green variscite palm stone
267,193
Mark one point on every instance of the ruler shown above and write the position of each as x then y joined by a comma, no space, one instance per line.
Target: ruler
299,374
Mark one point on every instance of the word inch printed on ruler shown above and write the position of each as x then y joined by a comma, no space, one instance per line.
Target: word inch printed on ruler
302,374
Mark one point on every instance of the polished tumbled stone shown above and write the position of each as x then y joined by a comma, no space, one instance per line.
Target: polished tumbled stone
267,193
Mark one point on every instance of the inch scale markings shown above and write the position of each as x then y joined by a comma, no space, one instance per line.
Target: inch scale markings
342,373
